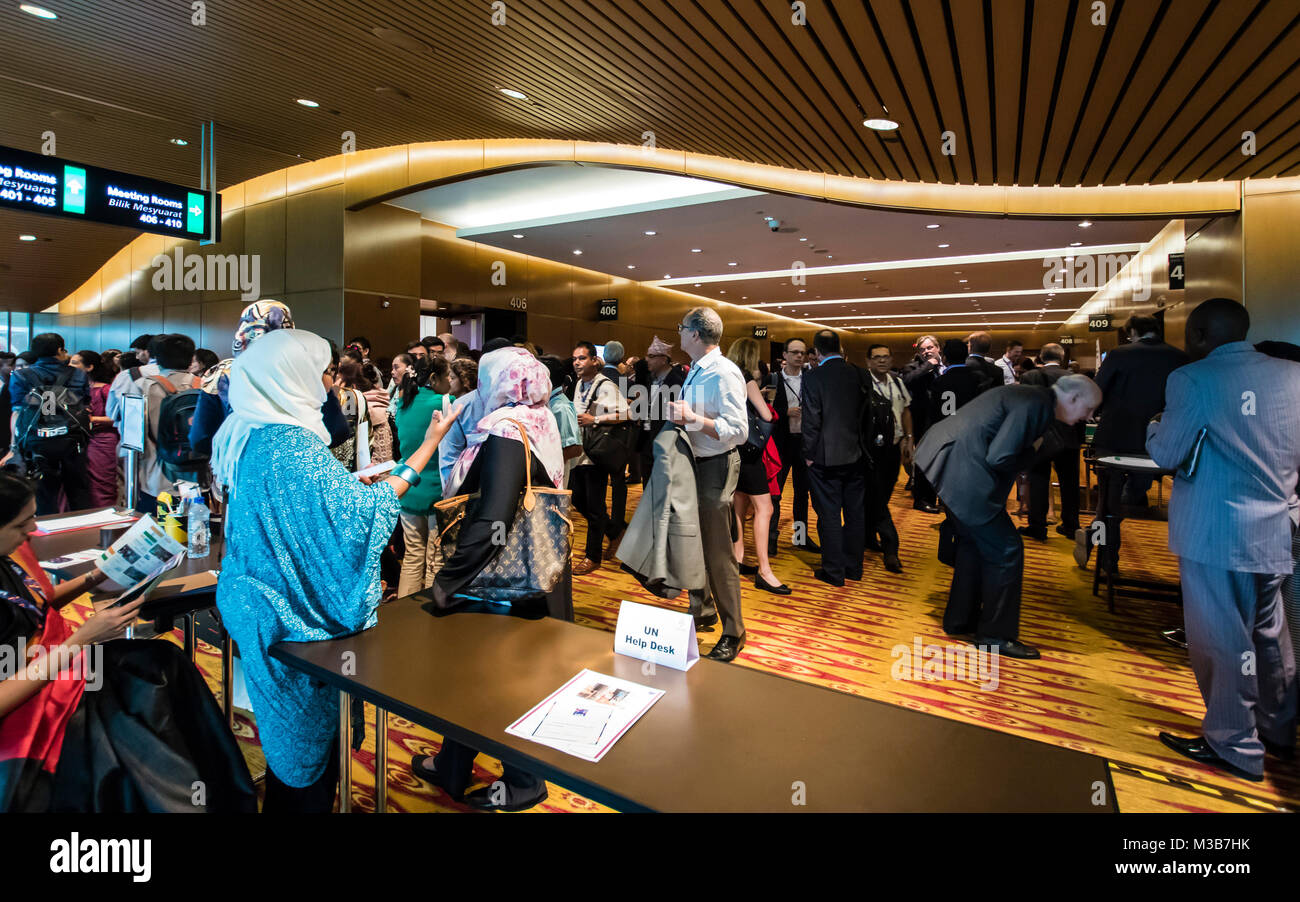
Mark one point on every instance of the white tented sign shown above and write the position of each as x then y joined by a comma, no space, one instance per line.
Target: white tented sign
657,635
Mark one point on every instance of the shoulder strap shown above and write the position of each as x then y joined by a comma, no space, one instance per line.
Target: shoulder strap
530,500
165,383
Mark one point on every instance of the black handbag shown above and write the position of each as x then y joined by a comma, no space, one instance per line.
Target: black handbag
609,447
760,430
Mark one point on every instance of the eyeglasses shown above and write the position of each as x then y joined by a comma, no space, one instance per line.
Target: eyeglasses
682,327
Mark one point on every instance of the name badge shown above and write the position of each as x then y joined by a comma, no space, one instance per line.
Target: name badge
656,634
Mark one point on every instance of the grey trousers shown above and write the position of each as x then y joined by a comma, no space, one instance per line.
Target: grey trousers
1241,654
715,484
423,557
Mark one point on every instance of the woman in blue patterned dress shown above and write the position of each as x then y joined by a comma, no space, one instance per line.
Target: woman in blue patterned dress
303,540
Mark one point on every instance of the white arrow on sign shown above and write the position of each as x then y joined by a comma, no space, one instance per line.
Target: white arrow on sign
196,211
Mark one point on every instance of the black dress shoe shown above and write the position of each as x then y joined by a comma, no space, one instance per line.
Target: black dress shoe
705,624
1067,531
893,564
1177,638
1033,532
422,767
1008,647
925,507
825,577
780,589
853,577
481,799
726,649
748,569
1199,751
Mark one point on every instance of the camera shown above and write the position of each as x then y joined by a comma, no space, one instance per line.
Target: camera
774,224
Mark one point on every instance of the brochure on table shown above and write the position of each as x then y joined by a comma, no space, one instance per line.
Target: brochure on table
108,517
587,715
143,551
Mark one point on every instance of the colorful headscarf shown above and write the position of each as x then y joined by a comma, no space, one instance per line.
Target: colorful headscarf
258,318
512,385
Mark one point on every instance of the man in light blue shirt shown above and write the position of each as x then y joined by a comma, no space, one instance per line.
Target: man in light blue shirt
713,410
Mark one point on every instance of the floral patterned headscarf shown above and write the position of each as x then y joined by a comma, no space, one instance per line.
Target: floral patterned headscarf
512,385
258,318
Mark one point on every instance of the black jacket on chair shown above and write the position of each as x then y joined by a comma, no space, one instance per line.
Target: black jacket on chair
972,457
1132,382
834,412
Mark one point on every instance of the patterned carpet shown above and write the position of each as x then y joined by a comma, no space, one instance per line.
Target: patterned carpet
1106,684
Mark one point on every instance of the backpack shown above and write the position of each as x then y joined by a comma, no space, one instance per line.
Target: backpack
54,421
175,416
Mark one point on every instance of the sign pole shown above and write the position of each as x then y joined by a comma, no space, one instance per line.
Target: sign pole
208,176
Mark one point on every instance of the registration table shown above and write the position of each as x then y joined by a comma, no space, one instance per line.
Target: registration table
724,737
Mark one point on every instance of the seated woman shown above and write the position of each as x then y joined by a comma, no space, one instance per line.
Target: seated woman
122,725
303,541
512,384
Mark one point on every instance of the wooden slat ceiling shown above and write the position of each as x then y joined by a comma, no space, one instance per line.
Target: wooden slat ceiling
1033,92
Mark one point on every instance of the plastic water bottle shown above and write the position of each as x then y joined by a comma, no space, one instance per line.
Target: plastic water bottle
200,535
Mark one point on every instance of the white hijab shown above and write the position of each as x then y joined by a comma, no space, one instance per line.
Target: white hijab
276,381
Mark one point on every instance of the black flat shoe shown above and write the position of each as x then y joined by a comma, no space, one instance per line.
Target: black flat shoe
1009,648
825,577
893,564
481,800
748,569
763,584
427,773
1033,533
1067,531
1199,751
726,649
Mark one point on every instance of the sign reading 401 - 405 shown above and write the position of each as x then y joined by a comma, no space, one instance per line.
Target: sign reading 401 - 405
41,184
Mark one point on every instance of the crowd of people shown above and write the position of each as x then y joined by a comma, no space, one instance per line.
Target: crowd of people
403,472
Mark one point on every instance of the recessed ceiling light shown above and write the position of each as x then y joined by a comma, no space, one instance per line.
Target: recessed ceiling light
733,264
802,290
26,237
697,284
880,125
652,233
1085,225
963,280
517,95
180,142
933,225
630,266
1075,243
944,245
577,253
721,292
517,235
668,275
695,250
37,11
305,102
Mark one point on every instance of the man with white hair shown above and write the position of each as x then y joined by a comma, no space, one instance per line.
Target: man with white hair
972,458
713,410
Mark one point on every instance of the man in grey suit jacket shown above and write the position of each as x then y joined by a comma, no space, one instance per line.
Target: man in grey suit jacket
1230,525
972,458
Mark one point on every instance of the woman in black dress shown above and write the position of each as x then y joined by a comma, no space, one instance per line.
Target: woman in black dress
88,724
752,487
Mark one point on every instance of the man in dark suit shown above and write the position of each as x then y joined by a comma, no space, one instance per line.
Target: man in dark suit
972,459
1132,381
978,345
918,376
787,384
955,386
834,403
1066,460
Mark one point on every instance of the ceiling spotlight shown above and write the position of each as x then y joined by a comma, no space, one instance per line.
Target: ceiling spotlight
517,95
697,284
37,11
652,234
1076,243
305,102
179,142
1085,225
577,253
668,275
963,280
26,237
945,245
803,239
630,266
933,225
517,235
880,125
695,250
733,264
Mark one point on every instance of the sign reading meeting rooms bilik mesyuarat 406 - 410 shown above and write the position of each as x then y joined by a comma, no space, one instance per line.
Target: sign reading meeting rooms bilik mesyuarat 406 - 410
41,184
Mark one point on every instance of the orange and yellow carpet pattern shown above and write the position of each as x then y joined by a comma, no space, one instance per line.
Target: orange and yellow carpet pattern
1106,683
